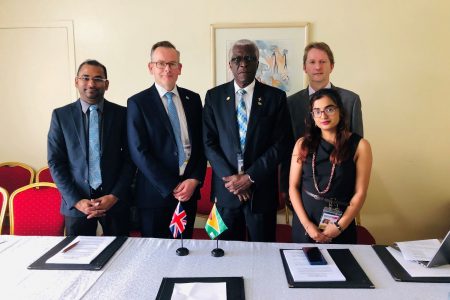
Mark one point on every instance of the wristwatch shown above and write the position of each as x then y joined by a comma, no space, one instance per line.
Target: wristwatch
338,226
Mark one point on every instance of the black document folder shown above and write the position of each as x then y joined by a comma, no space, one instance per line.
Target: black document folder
355,276
235,286
95,265
398,272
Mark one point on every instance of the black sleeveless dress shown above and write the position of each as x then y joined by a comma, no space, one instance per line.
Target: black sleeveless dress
342,188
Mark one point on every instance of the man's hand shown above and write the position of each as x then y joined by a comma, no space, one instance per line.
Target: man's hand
237,184
88,207
105,202
183,192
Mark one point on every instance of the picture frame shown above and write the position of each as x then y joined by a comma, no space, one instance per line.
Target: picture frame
280,45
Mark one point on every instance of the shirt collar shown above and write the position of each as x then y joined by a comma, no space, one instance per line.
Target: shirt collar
311,91
162,91
249,88
85,105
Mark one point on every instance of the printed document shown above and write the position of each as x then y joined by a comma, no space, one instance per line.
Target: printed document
422,250
303,271
82,250
200,291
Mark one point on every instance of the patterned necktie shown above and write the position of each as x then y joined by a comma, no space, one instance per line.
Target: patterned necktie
241,113
95,176
173,116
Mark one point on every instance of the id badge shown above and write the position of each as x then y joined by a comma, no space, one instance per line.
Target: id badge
329,216
240,163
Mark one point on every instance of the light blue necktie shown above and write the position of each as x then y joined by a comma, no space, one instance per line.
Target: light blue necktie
173,116
241,113
95,177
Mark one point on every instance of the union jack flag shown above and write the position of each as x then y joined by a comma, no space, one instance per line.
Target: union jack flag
178,223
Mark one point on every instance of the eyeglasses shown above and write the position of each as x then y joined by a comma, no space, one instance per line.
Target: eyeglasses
162,64
329,111
248,59
86,79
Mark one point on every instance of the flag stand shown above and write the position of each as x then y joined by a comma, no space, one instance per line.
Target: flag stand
217,252
182,251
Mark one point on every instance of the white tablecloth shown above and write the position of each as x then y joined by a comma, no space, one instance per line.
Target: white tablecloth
135,272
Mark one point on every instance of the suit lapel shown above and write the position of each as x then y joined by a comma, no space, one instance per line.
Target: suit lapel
107,123
77,117
257,106
156,104
229,105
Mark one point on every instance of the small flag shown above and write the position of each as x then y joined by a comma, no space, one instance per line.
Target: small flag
178,223
215,225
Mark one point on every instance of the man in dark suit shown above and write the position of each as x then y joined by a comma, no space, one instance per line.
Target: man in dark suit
318,63
88,157
246,132
165,140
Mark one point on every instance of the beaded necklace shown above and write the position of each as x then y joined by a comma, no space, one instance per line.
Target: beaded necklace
313,163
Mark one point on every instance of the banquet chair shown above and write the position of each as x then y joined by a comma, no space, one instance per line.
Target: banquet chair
204,205
283,232
14,175
43,175
3,205
363,236
34,210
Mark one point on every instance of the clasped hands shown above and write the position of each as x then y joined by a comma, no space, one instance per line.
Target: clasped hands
239,185
96,208
325,236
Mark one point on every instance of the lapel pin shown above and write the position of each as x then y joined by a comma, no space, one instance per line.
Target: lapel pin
259,101
187,97
228,98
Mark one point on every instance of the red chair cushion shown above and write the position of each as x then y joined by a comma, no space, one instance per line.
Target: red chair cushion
36,212
45,176
204,205
283,233
363,236
14,177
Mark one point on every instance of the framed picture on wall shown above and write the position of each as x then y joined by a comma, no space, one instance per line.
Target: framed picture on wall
280,47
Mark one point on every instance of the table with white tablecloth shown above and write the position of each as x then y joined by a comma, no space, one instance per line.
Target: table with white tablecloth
136,271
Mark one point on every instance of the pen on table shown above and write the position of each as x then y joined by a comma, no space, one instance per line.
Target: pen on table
70,247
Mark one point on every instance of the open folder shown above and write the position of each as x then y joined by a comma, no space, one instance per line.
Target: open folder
234,286
96,264
399,273
355,277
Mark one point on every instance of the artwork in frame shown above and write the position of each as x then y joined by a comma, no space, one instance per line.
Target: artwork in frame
280,47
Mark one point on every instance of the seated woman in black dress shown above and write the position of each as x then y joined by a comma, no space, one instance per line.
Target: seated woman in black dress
329,176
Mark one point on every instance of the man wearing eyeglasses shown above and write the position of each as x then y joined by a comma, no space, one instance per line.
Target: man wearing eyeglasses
88,157
246,132
165,141
318,63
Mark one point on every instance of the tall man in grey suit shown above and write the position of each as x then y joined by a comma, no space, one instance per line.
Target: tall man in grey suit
318,63
165,139
246,132
88,157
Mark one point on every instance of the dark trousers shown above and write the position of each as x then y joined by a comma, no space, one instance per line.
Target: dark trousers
155,221
116,222
246,225
112,225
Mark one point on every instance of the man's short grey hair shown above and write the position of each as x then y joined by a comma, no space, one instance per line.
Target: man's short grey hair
243,42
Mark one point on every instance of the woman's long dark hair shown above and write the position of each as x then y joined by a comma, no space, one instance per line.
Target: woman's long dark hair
313,133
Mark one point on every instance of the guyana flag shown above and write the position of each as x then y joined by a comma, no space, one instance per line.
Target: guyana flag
215,225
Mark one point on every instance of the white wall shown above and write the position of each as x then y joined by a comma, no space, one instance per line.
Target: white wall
394,54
